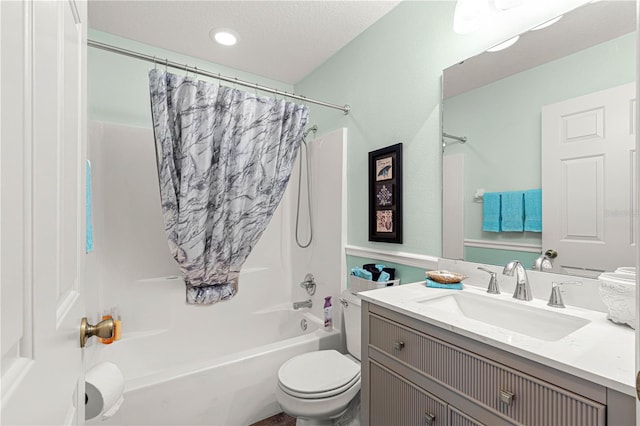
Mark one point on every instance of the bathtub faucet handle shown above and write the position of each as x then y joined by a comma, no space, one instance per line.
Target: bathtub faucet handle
309,284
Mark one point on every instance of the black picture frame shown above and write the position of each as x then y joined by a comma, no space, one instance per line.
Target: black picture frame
385,194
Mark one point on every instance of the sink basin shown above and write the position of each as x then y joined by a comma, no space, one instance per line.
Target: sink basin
527,320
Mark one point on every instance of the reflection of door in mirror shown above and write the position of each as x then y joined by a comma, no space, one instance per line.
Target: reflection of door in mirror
496,100
588,175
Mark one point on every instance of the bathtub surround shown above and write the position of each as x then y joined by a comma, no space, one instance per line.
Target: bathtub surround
223,170
136,271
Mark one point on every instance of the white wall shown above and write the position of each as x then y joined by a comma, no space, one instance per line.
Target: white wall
324,258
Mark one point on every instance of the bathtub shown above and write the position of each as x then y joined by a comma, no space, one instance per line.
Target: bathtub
212,383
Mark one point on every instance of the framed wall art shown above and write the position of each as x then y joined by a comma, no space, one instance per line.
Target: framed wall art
385,194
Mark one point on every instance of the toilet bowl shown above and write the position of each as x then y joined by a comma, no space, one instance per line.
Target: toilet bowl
317,387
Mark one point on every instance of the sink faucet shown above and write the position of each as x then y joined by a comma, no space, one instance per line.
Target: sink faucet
523,291
545,262
555,300
303,304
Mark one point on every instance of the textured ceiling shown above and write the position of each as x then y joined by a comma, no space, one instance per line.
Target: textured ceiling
281,40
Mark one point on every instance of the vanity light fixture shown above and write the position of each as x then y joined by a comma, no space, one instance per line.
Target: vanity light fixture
506,4
223,36
469,15
504,44
547,24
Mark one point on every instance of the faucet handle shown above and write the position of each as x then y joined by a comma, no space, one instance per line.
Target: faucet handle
555,299
493,281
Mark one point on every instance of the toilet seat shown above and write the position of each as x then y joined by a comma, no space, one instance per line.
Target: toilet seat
320,374
320,395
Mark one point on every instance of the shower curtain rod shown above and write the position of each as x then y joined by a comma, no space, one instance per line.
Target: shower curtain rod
460,139
195,70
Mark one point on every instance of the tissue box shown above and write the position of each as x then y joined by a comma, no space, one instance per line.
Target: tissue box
357,284
618,292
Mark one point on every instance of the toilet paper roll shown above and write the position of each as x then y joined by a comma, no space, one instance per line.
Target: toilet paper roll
104,389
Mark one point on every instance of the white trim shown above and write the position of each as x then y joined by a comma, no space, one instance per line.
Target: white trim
402,258
502,245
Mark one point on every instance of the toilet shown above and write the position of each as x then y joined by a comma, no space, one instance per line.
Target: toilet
317,387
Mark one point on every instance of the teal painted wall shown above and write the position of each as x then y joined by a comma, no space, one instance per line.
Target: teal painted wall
390,75
506,138
499,257
118,86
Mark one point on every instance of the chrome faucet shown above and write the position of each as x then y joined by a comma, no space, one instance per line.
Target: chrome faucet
303,304
523,290
555,299
493,281
545,262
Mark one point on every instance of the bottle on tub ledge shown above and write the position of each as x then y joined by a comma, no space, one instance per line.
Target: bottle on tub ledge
328,319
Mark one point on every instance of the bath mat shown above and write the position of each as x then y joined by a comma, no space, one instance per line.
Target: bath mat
280,419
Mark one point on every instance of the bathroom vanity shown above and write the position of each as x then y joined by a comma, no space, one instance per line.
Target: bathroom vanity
434,357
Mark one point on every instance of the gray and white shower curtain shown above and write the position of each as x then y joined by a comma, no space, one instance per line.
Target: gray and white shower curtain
224,160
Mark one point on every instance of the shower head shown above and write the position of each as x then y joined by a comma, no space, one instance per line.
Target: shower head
313,129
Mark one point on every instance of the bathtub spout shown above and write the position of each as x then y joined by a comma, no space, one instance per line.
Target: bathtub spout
303,304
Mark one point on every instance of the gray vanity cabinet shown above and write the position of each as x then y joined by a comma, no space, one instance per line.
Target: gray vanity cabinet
418,374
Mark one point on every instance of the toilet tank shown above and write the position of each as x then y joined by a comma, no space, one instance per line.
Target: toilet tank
351,308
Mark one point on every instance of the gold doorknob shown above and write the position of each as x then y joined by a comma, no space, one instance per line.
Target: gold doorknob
102,329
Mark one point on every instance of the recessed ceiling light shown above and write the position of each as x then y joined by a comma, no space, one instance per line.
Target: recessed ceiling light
547,24
504,44
223,36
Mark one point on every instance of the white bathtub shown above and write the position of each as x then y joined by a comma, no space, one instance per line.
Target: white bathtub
228,382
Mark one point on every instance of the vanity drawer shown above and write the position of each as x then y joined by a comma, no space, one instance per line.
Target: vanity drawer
396,401
515,395
458,418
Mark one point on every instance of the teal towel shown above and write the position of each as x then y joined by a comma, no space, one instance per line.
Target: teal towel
89,213
533,210
384,277
512,211
491,212
433,284
362,273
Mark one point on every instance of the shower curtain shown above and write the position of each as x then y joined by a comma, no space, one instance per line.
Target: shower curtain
224,159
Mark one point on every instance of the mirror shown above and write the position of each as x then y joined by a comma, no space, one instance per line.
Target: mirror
501,115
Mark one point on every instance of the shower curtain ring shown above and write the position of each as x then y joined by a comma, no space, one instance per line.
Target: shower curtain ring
155,64
196,73
166,65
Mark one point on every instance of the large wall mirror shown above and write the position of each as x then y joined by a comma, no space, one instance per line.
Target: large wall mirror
554,111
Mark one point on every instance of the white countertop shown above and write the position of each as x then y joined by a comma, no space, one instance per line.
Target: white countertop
601,352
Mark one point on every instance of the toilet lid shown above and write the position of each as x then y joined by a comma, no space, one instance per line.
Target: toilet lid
318,373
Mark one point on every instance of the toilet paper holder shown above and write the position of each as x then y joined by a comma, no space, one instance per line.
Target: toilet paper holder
102,329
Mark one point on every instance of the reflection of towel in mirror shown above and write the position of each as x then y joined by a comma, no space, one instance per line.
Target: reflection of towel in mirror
513,211
491,212
533,210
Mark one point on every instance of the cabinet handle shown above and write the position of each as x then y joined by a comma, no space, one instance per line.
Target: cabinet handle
506,397
398,345
429,419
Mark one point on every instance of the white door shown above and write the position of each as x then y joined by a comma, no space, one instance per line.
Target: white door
588,181
42,151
